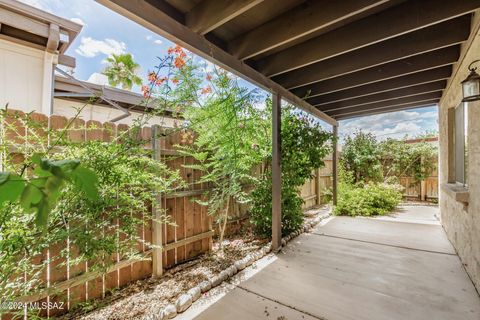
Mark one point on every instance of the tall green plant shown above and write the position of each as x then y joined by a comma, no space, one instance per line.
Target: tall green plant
227,133
361,156
304,147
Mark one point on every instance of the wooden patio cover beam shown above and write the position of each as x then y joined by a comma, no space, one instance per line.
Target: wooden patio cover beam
398,20
420,98
387,95
151,17
432,38
296,23
391,70
210,14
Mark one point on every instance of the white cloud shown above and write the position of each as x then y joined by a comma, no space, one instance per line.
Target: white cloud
392,125
158,41
98,78
90,47
149,37
78,20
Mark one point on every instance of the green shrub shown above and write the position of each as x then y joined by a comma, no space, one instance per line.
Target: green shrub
369,200
304,146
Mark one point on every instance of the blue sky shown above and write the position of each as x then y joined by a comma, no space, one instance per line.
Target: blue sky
105,32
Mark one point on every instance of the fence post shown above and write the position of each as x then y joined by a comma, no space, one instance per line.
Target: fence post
157,252
334,165
318,186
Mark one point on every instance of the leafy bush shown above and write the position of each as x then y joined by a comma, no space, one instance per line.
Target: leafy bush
304,146
361,156
127,182
369,200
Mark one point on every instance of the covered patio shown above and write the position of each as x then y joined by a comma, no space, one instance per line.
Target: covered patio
397,267
339,60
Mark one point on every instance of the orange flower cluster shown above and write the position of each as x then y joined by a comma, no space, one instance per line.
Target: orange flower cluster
207,90
208,77
146,91
180,55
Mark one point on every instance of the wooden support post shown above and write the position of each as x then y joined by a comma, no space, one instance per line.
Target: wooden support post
157,252
334,165
276,172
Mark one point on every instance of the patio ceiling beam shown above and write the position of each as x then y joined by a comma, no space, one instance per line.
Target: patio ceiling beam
303,20
388,103
439,36
418,63
393,84
405,18
156,20
387,95
414,105
211,14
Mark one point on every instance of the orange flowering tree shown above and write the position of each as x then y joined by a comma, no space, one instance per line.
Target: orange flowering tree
232,133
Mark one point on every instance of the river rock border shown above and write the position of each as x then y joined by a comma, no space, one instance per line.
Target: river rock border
185,300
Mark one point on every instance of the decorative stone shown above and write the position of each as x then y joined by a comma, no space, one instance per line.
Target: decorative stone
284,243
224,275
269,247
240,264
183,302
205,286
162,315
195,293
249,260
216,280
170,311
232,270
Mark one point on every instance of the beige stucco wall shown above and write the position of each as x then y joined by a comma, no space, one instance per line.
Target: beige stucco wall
103,114
21,76
462,223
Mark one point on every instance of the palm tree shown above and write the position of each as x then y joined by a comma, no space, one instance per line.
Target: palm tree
122,70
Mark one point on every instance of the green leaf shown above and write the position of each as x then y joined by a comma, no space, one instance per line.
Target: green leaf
31,196
87,181
11,187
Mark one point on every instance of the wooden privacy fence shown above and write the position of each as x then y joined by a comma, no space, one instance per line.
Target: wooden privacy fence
425,190
314,191
189,236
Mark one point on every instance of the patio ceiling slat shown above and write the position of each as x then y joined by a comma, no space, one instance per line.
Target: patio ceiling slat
403,67
393,84
386,95
373,111
442,35
395,21
297,23
210,14
388,103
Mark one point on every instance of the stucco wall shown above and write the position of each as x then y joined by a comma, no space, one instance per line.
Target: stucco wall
21,76
462,223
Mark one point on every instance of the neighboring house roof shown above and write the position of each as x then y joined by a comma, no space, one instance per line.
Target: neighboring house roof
82,91
33,27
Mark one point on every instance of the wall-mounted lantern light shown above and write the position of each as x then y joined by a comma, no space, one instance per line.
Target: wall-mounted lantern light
471,85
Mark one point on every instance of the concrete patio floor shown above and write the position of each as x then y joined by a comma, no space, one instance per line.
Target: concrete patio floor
396,267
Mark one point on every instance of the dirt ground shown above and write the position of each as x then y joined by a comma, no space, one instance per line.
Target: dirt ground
150,295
